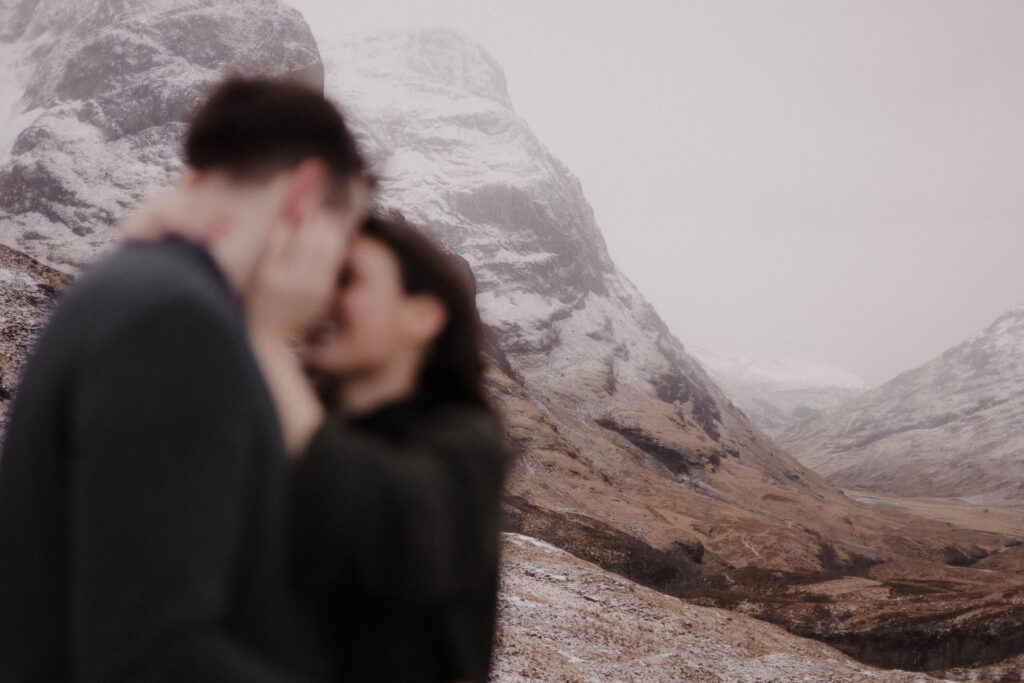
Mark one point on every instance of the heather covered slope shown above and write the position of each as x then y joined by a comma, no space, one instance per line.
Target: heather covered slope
564,619
949,428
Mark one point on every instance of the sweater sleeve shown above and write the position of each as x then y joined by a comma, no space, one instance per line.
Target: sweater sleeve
157,491
413,523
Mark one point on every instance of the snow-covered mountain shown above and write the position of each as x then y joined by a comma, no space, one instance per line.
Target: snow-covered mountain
630,454
951,427
776,392
96,93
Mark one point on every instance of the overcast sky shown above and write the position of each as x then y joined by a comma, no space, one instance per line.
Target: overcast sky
832,181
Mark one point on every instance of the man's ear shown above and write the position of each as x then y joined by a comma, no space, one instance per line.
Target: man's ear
426,317
304,191
190,178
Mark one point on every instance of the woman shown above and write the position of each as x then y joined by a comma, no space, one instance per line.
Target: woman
399,463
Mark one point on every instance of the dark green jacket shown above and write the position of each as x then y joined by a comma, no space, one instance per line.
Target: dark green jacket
397,529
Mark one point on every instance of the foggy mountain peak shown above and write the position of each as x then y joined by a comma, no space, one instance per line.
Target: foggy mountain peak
777,371
431,109
776,392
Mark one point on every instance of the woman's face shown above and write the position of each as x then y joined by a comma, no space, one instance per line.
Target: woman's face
369,322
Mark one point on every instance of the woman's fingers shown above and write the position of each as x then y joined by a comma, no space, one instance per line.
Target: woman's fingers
296,276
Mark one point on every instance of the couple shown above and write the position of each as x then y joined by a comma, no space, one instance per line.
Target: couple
181,501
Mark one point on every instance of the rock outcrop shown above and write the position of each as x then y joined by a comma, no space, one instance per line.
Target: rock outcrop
27,290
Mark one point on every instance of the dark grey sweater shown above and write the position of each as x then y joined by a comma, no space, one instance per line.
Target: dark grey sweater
397,529
142,490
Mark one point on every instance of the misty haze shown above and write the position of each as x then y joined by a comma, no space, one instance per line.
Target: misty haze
752,274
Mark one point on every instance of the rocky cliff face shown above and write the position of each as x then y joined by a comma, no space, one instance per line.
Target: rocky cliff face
97,98
948,428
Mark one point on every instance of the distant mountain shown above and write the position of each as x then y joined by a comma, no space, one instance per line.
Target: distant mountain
777,392
952,427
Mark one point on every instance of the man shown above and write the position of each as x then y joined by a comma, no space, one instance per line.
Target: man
142,480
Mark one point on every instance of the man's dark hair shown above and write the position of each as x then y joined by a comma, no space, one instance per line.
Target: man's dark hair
252,128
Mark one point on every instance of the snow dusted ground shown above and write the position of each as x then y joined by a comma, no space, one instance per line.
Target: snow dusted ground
563,619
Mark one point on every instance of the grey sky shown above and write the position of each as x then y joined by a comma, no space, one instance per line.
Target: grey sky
841,182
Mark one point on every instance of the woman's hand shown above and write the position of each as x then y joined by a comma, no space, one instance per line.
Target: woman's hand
288,292
295,278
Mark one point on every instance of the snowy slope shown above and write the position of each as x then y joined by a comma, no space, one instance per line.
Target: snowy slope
777,392
95,98
951,427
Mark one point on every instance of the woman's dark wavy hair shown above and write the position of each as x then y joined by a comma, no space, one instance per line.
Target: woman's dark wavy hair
453,369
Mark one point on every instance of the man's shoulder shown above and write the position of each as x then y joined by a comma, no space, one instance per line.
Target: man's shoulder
137,278
143,270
